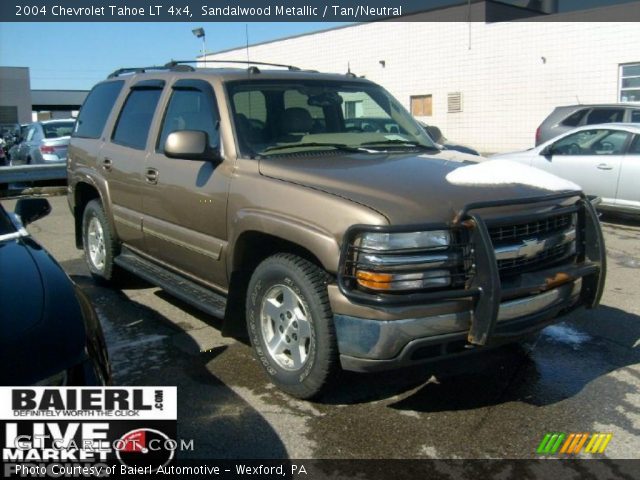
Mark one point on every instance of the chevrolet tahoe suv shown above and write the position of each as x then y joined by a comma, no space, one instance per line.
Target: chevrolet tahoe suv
252,194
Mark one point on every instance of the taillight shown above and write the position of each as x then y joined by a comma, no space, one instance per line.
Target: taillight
538,135
46,149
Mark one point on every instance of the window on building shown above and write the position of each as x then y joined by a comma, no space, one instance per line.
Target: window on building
630,83
135,118
95,111
421,105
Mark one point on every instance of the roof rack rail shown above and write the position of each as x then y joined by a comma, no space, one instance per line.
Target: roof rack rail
168,66
174,63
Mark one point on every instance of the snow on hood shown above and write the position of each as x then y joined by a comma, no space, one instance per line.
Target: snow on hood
506,172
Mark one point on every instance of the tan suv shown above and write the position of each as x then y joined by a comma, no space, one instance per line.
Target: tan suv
245,193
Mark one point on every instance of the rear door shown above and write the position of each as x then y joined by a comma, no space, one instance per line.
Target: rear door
590,158
122,159
628,192
185,201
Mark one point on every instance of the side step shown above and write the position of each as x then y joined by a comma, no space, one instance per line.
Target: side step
180,287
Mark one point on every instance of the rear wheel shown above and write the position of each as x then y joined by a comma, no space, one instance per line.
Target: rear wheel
290,324
100,247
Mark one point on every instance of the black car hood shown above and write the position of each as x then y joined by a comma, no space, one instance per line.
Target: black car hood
405,188
42,330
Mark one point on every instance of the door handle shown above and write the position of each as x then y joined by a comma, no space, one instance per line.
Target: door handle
151,175
107,164
604,166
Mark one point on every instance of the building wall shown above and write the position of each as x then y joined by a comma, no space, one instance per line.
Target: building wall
15,91
511,74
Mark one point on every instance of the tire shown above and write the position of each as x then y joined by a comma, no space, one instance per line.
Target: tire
99,244
290,324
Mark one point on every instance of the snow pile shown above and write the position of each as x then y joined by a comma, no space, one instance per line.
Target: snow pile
506,172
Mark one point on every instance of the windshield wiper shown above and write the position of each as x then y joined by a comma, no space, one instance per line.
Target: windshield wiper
337,146
399,143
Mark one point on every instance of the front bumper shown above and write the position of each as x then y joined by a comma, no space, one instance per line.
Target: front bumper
383,335
372,345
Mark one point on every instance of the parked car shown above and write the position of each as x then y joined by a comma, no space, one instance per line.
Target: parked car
51,336
43,142
242,192
436,135
603,159
566,118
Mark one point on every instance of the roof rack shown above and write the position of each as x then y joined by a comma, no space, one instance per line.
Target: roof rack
169,66
174,63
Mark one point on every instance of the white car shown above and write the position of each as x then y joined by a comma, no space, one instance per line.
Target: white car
603,159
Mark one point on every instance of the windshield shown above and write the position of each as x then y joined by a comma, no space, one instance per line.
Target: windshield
58,129
293,116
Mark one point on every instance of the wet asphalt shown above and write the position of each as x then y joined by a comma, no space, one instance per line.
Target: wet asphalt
582,375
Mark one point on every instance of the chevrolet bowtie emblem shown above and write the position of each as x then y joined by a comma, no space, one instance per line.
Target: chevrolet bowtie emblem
530,248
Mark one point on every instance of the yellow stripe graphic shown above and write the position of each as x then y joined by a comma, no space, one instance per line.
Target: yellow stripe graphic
589,448
596,445
607,439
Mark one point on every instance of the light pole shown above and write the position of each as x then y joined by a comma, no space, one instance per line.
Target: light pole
199,33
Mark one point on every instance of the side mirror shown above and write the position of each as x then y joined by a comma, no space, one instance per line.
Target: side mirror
190,145
435,133
31,209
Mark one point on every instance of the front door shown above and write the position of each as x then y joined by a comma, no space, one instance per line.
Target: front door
185,201
590,158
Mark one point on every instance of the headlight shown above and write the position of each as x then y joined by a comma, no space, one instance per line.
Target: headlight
393,262
396,241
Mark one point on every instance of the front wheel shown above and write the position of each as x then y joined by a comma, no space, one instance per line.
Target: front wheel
290,324
100,246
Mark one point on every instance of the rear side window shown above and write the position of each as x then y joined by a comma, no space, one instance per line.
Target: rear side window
96,109
605,115
635,116
135,118
575,118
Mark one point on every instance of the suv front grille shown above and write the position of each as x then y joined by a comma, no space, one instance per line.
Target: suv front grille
534,245
521,231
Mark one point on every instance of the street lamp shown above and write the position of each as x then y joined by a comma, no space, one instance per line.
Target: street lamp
199,33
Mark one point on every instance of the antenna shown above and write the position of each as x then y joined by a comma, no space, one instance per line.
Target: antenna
246,36
348,67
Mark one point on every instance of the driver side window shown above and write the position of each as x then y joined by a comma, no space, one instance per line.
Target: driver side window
190,109
592,142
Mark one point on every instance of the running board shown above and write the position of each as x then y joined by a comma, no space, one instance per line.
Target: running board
180,287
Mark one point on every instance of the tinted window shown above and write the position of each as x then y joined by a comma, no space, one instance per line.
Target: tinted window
190,109
635,116
592,142
135,118
96,108
635,147
57,129
605,115
575,118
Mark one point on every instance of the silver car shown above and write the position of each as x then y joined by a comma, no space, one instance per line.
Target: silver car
43,142
603,159
564,119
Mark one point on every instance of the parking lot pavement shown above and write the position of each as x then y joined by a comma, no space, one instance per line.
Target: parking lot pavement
582,375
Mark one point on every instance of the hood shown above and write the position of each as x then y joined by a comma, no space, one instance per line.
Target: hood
405,188
42,326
